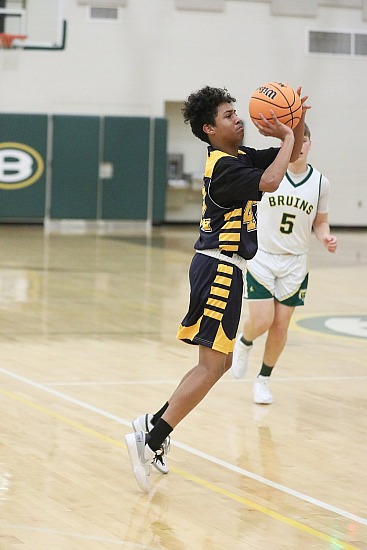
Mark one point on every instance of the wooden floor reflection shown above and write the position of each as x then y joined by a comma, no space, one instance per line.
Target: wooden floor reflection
88,327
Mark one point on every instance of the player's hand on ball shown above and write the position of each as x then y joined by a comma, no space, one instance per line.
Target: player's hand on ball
272,128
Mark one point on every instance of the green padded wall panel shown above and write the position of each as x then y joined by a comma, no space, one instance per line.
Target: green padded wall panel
75,167
160,170
126,146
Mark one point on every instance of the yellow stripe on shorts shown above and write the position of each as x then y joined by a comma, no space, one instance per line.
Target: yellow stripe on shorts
213,314
216,303
217,291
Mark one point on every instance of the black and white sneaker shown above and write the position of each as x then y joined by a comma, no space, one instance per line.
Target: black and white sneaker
143,424
141,458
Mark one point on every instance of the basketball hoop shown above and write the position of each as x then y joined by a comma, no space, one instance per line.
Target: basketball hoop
7,41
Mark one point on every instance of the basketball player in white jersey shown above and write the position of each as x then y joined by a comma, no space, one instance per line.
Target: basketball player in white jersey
276,278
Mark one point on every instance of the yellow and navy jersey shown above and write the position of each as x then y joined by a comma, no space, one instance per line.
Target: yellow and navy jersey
230,195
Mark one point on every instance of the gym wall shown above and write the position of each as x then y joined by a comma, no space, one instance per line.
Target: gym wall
92,168
155,52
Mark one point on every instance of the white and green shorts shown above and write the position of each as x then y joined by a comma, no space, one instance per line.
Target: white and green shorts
280,276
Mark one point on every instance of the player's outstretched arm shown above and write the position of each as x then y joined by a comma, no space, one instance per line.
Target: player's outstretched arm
300,128
274,173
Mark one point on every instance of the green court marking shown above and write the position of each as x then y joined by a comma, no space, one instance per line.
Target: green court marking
350,326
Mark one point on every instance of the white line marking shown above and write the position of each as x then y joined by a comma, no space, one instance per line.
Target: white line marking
65,397
227,380
193,451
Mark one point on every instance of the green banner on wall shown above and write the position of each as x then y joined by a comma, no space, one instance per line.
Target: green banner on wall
23,153
81,167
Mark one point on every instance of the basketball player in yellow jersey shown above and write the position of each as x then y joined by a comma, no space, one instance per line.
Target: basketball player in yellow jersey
234,180
277,277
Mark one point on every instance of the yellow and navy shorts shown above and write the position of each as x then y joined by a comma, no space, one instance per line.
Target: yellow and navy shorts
216,288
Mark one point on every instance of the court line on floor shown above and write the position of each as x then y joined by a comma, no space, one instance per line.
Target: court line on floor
199,481
191,450
224,380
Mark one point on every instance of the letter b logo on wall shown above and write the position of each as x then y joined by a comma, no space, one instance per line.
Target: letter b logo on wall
20,165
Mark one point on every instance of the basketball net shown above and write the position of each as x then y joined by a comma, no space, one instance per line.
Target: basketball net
8,41
13,44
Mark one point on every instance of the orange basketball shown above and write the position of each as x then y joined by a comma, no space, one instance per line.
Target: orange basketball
279,97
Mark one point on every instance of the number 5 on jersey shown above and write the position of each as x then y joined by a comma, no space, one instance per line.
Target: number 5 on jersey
287,223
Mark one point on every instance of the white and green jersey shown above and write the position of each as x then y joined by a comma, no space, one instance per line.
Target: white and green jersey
285,217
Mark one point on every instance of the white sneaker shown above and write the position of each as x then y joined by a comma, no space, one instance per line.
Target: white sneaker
141,457
144,424
261,391
240,358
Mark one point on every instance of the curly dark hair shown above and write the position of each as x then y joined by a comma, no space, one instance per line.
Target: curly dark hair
201,108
